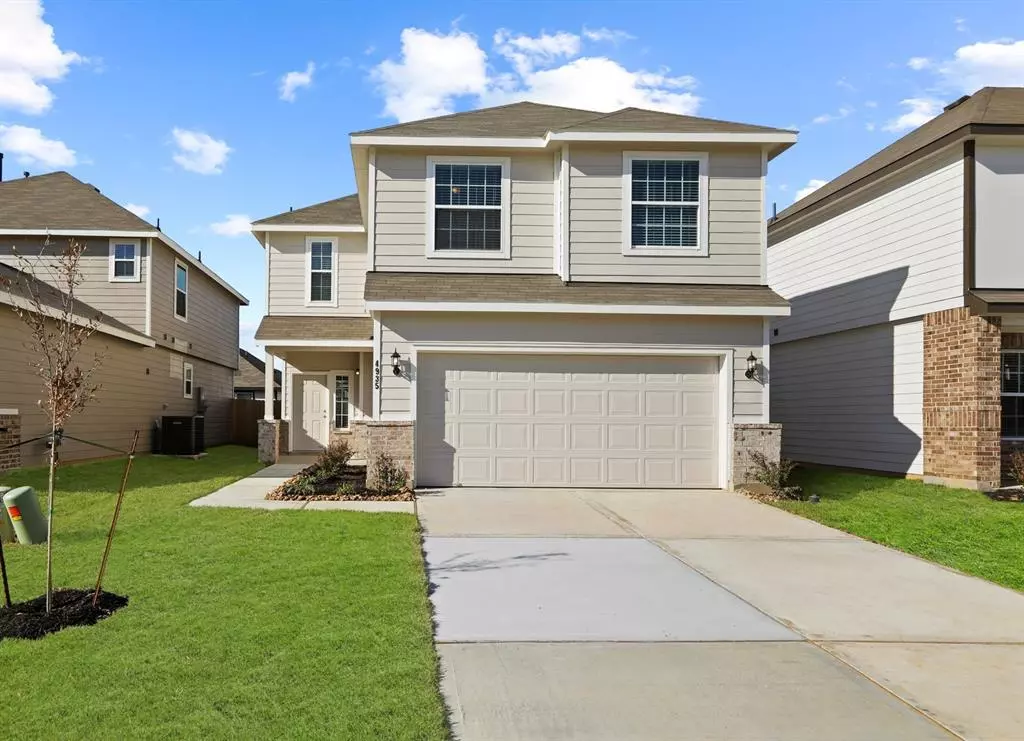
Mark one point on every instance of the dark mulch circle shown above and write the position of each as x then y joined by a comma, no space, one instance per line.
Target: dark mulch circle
71,607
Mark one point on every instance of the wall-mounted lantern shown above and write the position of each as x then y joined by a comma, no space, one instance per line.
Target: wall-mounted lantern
396,363
751,366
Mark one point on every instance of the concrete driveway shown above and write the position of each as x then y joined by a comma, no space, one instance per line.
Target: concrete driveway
582,614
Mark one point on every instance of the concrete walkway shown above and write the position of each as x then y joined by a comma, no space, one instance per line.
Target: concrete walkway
572,614
251,493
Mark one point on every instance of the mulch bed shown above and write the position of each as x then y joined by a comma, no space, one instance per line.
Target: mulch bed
71,607
353,478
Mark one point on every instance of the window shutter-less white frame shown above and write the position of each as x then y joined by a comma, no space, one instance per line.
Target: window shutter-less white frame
505,252
701,250
178,264
333,241
136,276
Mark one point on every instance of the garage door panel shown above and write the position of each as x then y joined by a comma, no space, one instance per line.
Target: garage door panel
602,421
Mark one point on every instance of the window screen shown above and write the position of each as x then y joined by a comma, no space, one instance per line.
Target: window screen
321,271
467,207
341,390
124,260
666,202
181,291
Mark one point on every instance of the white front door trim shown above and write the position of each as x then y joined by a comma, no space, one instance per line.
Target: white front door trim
300,401
725,375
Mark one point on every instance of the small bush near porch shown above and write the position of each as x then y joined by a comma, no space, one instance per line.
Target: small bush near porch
241,624
965,530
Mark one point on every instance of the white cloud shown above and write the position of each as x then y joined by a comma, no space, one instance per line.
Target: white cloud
437,68
30,147
234,225
434,69
998,63
829,117
919,63
295,80
613,35
200,152
29,56
918,111
960,24
870,126
845,85
812,185
140,211
871,104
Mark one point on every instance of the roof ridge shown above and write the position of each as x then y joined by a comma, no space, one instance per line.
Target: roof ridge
303,208
990,90
462,113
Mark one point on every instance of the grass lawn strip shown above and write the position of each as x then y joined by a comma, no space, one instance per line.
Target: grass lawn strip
962,529
241,623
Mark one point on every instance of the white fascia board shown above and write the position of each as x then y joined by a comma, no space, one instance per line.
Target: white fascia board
710,137
316,343
259,227
48,311
544,308
485,142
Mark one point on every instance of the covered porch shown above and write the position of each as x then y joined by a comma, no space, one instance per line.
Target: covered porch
326,382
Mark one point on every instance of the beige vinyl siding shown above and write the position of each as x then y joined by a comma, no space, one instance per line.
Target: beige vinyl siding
401,215
288,280
852,398
400,330
897,253
735,221
211,332
1000,219
138,385
123,300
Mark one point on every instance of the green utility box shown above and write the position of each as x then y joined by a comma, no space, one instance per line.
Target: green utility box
6,528
26,517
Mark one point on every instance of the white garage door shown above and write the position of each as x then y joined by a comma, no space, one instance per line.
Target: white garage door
603,421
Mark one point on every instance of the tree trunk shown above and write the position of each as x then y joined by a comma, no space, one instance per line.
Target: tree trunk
49,519
3,575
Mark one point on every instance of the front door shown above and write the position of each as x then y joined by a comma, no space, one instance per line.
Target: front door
311,432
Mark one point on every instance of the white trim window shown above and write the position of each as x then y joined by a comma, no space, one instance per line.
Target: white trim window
341,399
1011,390
125,261
468,207
321,262
665,196
187,380
180,290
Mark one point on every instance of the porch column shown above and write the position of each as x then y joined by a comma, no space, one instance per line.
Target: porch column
268,386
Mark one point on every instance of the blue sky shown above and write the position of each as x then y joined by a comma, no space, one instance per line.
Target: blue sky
182,108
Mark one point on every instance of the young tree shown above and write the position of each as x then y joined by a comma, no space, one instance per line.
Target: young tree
59,329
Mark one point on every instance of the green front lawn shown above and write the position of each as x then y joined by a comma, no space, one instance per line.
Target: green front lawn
241,624
958,528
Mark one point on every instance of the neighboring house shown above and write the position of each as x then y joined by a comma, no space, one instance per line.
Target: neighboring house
176,320
532,295
249,378
905,347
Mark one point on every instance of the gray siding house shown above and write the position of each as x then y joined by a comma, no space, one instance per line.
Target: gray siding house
904,349
533,295
174,351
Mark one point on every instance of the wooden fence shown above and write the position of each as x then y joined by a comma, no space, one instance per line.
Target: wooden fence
245,413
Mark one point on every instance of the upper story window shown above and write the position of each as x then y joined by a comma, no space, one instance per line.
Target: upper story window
664,203
181,290
468,207
320,263
125,260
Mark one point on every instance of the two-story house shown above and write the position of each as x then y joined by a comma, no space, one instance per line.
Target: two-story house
531,295
905,348
167,324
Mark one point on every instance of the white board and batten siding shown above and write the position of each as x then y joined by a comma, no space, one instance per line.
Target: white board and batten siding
401,216
735,222
999,178
288,275
895,255
852,398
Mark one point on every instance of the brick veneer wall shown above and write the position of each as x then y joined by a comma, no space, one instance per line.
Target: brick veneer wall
357,438
268,445
961,399
10,433
393,438
748,438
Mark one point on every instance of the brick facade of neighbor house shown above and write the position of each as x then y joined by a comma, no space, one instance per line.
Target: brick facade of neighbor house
394,439
10,435
961,399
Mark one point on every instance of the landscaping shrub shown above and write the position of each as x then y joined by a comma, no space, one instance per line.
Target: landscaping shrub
332,461
775,476
391,477
1017,466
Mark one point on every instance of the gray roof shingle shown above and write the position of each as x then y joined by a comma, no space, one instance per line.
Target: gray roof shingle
314,328
58,200
344,210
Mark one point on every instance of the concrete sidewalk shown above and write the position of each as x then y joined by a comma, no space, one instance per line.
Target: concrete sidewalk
704,615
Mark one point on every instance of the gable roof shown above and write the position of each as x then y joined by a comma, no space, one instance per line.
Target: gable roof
528,119
251,372
344,210
58,200
989,107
